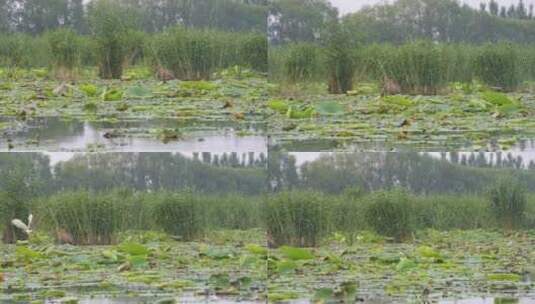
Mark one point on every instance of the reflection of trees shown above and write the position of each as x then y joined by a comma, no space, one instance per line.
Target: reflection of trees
417,172
141,171
488,160
149,171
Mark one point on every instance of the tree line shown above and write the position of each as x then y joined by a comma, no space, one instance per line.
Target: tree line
402,21
459,173
37,16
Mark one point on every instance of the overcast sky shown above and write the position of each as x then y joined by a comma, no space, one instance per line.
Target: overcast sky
347,6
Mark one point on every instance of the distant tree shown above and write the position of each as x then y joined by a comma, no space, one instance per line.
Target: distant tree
521,12
494,8
511,12
503,12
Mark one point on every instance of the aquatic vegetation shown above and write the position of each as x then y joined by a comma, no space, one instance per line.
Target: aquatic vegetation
388,213
180,214
133,270
301,63
65,47
447,265
497,66
508,202
112,25
339,59
295,218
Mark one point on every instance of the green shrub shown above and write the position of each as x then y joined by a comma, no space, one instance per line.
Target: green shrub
339,60
111,25
508,202
296,218
254,52
388,213
181,214
497,66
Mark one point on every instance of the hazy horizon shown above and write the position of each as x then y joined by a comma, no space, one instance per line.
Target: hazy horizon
348,6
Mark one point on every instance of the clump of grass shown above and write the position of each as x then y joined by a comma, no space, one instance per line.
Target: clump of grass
89,218
508,202
254,52
388,213
497,66
111,24
301,63
65,48
339,60
447,212
295,219
234,211
180,214
12,50
416,67
189,54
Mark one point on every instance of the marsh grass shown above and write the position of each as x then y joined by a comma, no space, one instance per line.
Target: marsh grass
296,219
388,213
508,202
419,67
112,26
180,214
89,218
65,49
497,66
194,54
303,62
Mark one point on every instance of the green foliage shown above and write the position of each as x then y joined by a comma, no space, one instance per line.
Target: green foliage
193,54
65,47
497,66
416,67
296,218
12,50
447,212
302,62
339,59
22,51
112,26
180,214
89,218
508,202
389,214
254,51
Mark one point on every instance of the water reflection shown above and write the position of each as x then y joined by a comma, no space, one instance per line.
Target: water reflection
491,300
54,134
329,145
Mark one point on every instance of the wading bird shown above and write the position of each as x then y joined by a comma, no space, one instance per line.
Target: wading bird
26,228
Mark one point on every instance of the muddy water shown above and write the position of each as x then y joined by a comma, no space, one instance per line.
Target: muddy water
57,135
